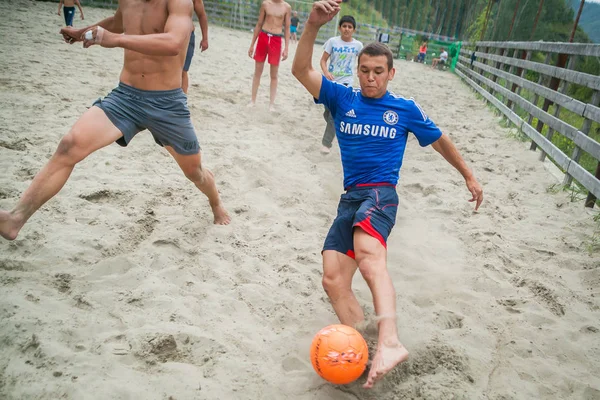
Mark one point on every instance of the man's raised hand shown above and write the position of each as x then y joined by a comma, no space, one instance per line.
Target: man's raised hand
323,11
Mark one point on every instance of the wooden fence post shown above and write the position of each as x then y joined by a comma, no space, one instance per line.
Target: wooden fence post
525,55
563,90
585,129
591,199
527,58
540,124
486,50
499,52
511,71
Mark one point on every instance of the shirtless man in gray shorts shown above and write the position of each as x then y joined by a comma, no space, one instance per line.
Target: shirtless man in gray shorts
149,96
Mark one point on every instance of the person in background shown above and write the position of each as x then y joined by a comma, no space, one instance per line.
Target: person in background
203,20
422,52
69,10
440,61
342,54
295,21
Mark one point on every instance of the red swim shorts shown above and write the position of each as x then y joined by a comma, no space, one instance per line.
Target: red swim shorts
268,44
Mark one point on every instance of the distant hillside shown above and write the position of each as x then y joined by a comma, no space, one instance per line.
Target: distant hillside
590,18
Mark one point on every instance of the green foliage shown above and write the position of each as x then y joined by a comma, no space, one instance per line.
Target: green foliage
589,18
554,189
589,65
518,135
364,13
577,194
593,245
555,21
476,28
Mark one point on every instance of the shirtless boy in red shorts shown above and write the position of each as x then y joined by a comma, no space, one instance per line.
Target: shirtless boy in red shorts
272,28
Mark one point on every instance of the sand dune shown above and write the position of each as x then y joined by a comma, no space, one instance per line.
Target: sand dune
122,288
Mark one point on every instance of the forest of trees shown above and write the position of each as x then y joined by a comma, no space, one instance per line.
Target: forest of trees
465,19
590,19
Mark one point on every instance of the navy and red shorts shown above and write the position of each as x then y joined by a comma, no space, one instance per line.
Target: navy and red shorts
371,207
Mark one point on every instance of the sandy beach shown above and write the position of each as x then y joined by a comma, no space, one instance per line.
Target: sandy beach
122,288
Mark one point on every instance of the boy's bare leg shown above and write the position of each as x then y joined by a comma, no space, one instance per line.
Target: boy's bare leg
184,82
258,70
91,132
371,257
274,79
338,270
204,180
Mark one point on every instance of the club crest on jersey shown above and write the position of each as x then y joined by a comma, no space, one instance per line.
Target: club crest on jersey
390,117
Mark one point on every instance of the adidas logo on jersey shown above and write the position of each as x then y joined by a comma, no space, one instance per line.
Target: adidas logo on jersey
351,114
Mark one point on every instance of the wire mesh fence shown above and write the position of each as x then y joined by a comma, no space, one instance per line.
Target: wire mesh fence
404,42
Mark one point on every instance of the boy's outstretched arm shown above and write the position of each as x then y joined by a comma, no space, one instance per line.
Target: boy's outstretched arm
78,4
322,12
324,59
261,19
203,20
286,32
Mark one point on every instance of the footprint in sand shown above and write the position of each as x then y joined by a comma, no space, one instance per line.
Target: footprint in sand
172,244
511,304
103,196
118,345
448,320
544,295
589,329
63,282
16,265
293,364
18,145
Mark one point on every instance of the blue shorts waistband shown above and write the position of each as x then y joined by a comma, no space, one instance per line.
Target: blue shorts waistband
360,186
149,93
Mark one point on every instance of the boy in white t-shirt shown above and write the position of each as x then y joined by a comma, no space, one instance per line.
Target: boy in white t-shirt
342,54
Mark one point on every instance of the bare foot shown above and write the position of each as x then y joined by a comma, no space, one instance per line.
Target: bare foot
251,104
221,215
272,108
9,225
325,150
386,358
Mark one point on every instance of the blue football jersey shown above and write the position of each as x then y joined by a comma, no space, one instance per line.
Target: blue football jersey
372,133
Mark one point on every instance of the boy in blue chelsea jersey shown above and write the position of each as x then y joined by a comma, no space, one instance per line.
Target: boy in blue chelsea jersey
372,127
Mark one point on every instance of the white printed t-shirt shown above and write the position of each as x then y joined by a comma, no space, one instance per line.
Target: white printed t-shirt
343,57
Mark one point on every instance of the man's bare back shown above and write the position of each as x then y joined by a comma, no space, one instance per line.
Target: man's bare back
276,12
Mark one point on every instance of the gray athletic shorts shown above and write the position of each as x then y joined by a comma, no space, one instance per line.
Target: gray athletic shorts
163,112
